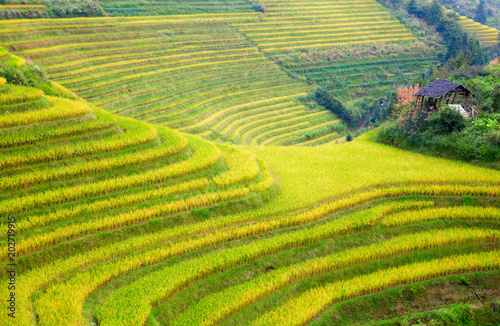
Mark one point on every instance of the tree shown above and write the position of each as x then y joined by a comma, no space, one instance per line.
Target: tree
453,48
434,13
412,7
479,58
350,115
496,100
480,16
448,26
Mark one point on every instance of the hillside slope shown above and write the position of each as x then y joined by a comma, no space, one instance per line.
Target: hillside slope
193,73
124,205
115,217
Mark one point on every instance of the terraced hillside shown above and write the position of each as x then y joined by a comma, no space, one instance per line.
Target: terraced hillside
487,35
70,171
291,25
192,73
352,80
12,9
313,25
121,222
173,7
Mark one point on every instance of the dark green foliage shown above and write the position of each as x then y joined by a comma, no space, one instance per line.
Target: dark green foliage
13,75
259,6
349,137
471,144
496,100
412,8
434,13
82,8
29,75
480,16
453,48
446,133
445,121
484,87
375,110
324,97
468,200
461,50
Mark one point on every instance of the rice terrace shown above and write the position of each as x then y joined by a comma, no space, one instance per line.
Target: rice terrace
250,162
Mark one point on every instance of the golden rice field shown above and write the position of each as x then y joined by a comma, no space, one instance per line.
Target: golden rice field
312,24
156,68
192,73
123,222
149,188
485,34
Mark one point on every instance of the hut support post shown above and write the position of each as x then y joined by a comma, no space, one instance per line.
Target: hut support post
454,97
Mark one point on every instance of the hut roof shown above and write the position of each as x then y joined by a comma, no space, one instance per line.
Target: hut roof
440,87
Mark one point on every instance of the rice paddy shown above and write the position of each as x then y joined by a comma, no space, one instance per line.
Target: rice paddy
157,187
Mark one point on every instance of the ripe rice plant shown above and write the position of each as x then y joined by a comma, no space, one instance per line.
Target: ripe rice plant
122,220
242,167
487,35
79,259
281,137
36,242
18,94
94,70
275,110
482,213
314,301
61,109
103,121
109,204
136,133
205,155
214,308
3,7
157,285
173,142
318,22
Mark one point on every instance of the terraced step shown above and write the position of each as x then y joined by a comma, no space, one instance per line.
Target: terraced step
207,74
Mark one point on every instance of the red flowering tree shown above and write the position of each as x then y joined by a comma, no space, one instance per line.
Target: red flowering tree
409,118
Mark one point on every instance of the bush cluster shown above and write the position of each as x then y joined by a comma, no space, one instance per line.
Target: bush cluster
447,133
259,6
351,115
81,8
29,75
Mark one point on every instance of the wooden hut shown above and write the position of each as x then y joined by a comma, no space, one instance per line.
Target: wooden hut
442,91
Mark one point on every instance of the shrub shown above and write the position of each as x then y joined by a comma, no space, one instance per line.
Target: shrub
259,5
445,121
14,76
29,75
351,115
65,8
496,100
